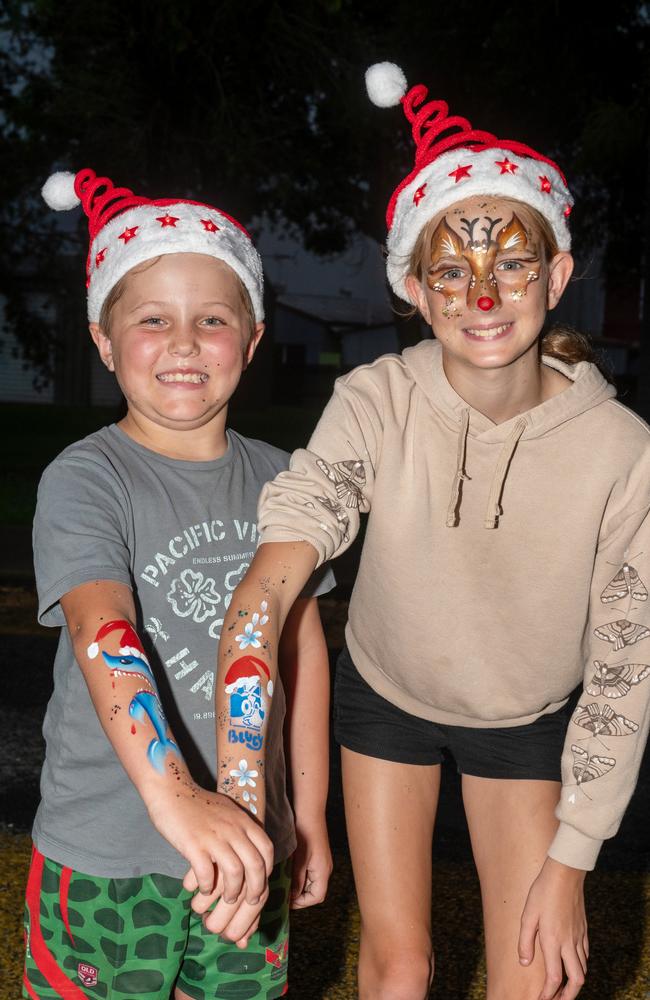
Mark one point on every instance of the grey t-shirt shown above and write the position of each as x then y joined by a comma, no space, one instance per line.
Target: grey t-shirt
181,535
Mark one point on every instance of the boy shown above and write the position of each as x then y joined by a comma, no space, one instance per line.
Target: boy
142,531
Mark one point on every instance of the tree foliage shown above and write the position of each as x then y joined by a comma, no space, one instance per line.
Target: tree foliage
260,107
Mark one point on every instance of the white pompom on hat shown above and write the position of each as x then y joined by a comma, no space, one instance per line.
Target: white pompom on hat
126,230
453,161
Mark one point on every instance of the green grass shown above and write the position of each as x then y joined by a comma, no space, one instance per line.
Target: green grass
35,434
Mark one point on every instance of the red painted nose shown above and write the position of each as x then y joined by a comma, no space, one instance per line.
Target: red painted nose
485,303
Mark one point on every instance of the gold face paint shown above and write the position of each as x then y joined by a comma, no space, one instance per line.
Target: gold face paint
481,253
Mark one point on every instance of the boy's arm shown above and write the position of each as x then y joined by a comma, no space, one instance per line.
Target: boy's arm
206,828
304,667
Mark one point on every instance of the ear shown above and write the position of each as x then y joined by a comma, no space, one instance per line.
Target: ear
252,343
417,296
103,345
559,272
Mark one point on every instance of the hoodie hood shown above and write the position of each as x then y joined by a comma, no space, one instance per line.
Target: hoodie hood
589,389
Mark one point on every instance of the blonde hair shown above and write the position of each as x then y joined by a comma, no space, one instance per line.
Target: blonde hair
561,342
117,291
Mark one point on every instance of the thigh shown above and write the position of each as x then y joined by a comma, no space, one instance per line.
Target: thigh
390,812
90,937
511,823
215,967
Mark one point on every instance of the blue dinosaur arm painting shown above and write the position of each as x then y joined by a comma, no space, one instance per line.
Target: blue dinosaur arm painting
145,705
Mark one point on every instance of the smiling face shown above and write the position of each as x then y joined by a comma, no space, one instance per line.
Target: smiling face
179,338
487,280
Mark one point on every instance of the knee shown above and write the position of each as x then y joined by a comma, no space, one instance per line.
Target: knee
395,975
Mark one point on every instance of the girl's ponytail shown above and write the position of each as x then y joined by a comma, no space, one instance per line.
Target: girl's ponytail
566,344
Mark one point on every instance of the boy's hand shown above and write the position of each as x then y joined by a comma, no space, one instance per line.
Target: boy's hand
312,866
555,911
225,847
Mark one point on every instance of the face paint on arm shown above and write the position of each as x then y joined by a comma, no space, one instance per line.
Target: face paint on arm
145,707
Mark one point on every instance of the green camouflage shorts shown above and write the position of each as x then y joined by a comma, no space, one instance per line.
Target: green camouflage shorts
137,938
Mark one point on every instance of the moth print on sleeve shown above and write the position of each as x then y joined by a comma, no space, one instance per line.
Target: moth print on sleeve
602,720
587,767
338,511
622,633
626,583
349,478
145,706
616,682
248,685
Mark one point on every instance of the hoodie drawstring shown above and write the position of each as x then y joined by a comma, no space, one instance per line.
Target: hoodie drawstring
493,510
452,516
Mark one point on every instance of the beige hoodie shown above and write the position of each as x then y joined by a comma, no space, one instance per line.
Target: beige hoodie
502,564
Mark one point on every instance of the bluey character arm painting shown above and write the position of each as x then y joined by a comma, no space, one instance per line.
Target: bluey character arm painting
248,668
203,826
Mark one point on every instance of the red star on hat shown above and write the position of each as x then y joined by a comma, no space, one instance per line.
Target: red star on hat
567,211
507,166
545,184
167,220
209,225
128,234
461,172
99,257
419,194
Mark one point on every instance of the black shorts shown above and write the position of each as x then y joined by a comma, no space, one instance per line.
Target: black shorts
368,724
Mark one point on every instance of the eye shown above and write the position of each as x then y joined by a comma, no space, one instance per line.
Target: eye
213,321
152,321
510,265
453,274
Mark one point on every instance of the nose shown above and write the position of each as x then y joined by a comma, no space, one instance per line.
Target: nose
183,342
486,303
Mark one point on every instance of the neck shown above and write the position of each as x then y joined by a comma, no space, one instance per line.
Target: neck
503,393
194,444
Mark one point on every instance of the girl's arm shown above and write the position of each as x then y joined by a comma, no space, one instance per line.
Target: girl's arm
304,667
203,826
604,746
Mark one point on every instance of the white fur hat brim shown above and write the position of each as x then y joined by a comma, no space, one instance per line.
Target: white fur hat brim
196,229
436,187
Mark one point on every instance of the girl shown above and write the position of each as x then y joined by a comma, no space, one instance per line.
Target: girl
504,562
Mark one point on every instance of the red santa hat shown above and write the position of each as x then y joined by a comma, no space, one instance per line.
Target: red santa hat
453,161
247,668
126,230
130,645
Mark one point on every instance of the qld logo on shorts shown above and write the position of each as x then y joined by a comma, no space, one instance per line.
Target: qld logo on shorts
87,974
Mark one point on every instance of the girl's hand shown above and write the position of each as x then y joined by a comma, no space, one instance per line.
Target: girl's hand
312,865
555,911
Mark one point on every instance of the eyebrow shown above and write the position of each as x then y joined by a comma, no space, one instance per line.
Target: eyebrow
165,305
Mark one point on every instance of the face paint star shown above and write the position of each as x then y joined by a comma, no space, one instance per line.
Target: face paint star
545,184
419,195
167,220
461,172
209,225
128,234
99,257
568,210
507,166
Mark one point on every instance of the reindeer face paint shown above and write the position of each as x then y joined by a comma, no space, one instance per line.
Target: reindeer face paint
482,256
